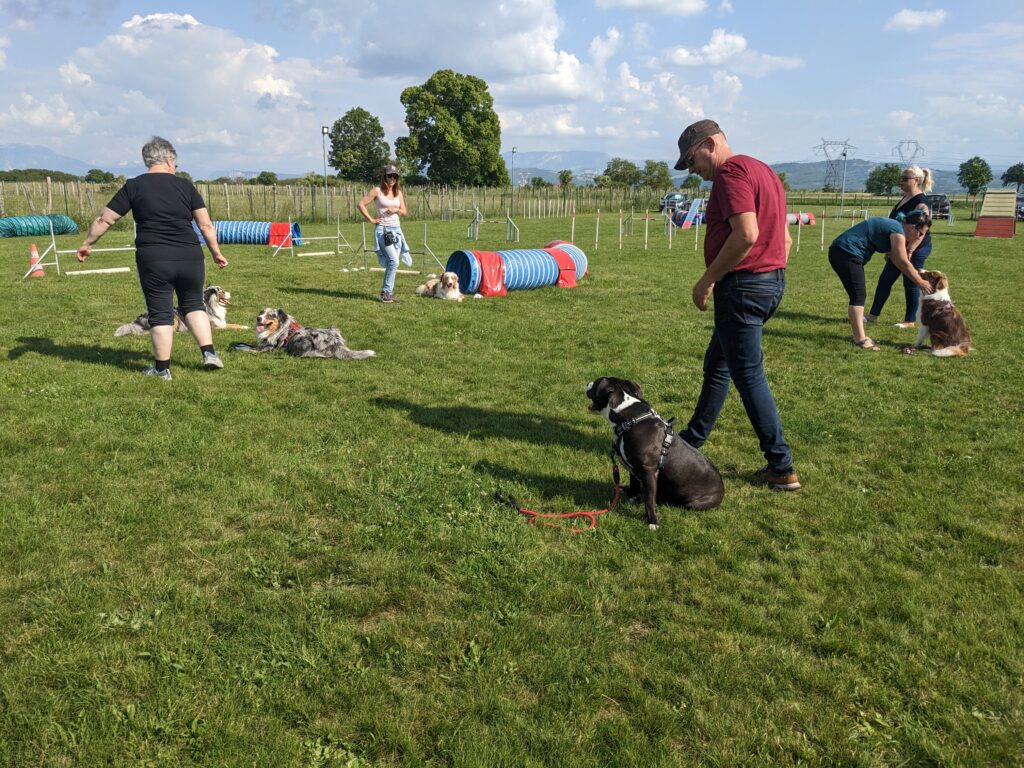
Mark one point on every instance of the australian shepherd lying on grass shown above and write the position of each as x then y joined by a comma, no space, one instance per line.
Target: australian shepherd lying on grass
276,329
216,300
444,287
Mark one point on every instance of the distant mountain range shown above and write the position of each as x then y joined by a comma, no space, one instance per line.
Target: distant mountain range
583,164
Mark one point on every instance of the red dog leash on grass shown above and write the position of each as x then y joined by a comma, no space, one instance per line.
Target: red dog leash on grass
591,515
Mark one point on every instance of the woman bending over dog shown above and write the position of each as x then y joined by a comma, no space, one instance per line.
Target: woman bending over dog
387,231
854,248
914,183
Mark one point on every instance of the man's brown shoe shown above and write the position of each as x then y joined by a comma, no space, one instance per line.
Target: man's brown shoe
778,481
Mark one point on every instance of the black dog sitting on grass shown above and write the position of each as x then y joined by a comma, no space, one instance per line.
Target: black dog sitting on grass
662,467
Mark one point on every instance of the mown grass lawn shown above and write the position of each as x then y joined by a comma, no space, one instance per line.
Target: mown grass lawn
299,562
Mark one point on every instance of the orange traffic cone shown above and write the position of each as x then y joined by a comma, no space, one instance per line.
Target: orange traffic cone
33,263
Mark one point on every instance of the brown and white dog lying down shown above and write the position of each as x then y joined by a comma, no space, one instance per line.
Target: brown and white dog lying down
938,318
216,300
276,329
662,466
444,287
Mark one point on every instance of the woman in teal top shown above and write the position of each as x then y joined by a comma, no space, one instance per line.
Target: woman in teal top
854,248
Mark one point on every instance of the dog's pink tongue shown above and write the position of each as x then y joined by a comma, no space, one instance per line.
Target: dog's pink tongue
259,328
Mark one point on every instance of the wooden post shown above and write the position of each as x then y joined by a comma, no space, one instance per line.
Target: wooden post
49,195
227,202
2,212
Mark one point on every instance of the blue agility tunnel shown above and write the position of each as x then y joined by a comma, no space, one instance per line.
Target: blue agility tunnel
520,269
24,226
250,232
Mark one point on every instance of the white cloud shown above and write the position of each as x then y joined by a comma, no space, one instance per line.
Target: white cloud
726,7
161,21
720,48
72,75
901,117
203,87
603,48
49,117
4,43
911,21
642,34
541,122
730,51
726,89
665,7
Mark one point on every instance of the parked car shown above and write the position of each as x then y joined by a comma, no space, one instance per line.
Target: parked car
939,206
1020,207
672,202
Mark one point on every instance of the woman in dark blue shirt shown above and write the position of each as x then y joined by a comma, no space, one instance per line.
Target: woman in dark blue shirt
914,183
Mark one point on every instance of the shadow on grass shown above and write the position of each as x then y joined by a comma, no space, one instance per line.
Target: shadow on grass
790,315
80,353
480,423
588,494
362,295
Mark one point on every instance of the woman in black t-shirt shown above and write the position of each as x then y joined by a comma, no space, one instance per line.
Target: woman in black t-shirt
914,183
167,251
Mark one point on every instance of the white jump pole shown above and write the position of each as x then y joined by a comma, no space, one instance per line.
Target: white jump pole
647,219
597,228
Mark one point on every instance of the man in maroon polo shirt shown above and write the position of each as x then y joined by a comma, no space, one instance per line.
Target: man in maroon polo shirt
746,246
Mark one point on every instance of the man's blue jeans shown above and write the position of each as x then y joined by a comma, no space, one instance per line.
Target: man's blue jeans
743,303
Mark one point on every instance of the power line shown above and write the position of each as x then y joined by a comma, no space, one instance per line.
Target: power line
908,150
834,151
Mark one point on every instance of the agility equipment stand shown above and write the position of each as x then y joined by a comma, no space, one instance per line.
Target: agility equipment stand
365,250
288,242
52,249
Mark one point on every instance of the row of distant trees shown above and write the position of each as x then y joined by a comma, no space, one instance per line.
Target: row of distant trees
974,175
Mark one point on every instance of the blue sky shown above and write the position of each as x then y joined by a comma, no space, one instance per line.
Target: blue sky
247,85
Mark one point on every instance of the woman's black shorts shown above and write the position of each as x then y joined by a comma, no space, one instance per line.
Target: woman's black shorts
851,273
161,279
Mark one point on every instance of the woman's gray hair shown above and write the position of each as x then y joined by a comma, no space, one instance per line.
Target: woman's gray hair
158,150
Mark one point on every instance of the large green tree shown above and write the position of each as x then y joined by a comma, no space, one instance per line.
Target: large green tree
656,175
358,149
1014,175
883,179
454,132
692,181
565,178
621,173
974,175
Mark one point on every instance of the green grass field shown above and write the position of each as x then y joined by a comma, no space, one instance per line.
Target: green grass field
299,562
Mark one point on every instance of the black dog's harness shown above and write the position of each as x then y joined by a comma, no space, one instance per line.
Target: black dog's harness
622,428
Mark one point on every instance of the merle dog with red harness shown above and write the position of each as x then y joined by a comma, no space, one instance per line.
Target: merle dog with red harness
662,467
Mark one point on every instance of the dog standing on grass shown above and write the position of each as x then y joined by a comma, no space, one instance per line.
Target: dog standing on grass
941,320
662,467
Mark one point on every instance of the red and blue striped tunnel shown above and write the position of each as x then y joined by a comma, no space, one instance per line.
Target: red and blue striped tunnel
524,268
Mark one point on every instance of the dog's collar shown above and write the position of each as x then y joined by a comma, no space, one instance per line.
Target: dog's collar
292,327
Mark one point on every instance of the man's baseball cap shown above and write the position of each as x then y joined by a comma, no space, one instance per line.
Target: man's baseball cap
691,138
391,168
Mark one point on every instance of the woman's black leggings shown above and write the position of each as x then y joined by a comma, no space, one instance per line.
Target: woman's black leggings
160,280
851,273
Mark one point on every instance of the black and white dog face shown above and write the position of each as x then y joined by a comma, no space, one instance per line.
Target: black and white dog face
608,394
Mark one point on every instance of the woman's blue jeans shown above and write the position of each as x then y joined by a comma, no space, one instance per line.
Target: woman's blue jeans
910,290
743,303
388,257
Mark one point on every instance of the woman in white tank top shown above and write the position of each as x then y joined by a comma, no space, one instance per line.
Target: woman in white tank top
387,231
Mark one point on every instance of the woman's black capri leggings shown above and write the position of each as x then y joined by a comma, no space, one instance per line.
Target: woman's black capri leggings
851,273
160,280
